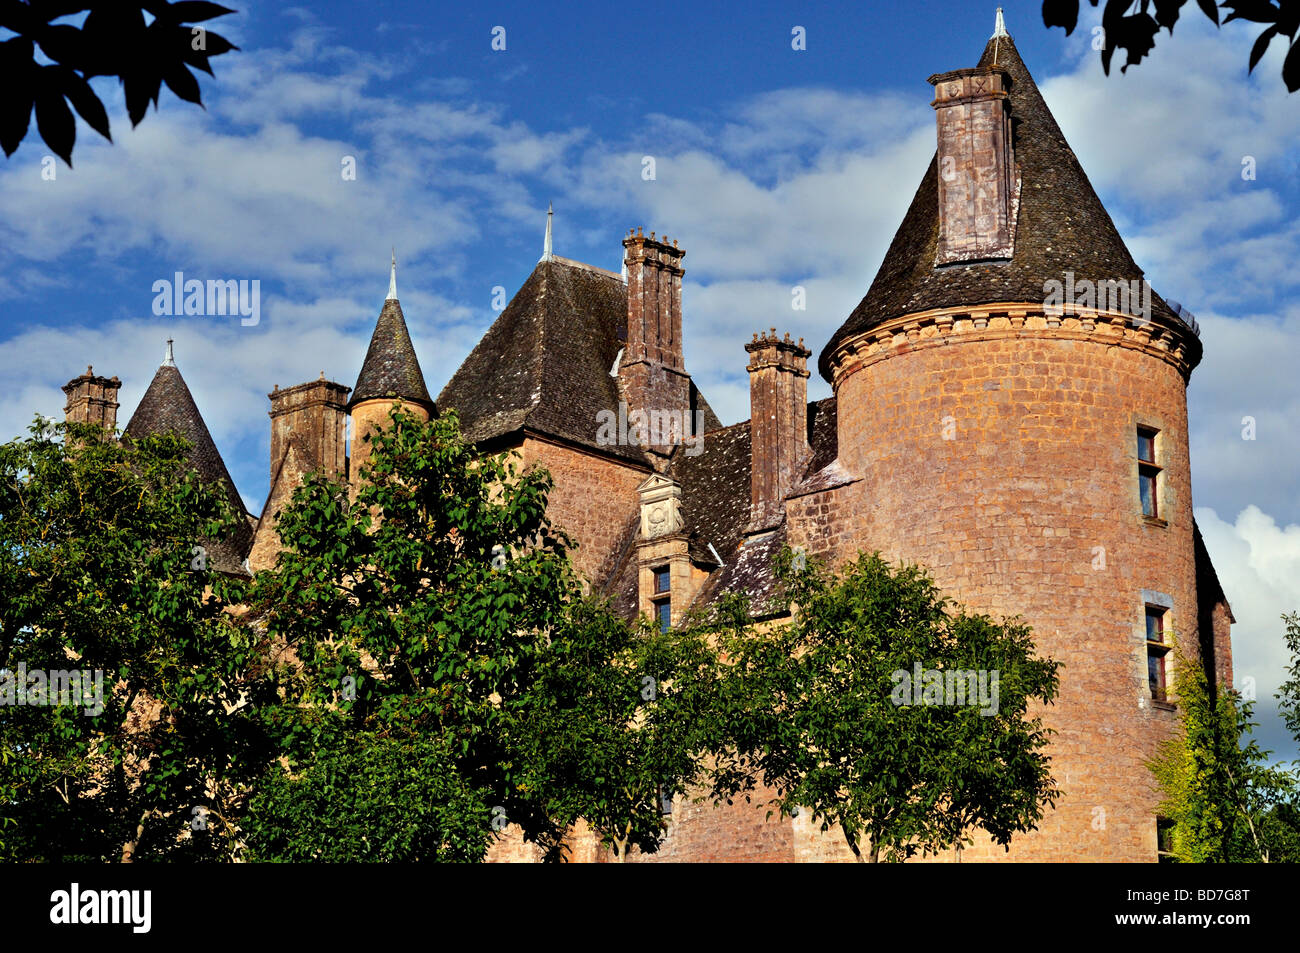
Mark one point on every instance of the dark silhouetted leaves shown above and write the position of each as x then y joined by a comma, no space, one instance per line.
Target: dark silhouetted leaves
1167,12
1259,11
1291,69
1135,33
54,122
141,89
195,11
113,40
1261,45
182,82
18,82
1063,13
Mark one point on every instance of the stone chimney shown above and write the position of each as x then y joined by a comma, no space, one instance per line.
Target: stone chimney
315,414
979,186
778,424
92,400
652,373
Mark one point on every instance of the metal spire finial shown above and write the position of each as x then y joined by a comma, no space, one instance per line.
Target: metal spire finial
546,245
168,359
1000,27
392,280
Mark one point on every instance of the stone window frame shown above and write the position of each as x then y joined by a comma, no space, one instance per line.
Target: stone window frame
1150,468
661,600
665,573
1163,605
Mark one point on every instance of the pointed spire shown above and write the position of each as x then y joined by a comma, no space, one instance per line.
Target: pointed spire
168,407
546,245
1000,26
391,368
392,280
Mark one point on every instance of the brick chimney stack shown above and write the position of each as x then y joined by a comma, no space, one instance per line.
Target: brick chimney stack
653,372
979,187
92,400
316,414
778,408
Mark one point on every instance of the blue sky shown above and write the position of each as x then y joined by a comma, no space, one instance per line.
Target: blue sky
774,167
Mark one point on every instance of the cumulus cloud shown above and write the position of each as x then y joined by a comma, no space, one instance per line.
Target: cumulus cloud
1258,563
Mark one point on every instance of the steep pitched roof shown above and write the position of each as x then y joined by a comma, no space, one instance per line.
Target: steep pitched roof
545,362
391,368
168,407
1062,226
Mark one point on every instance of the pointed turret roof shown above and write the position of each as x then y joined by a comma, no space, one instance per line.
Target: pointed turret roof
1062,226
391,368
168,407
544,365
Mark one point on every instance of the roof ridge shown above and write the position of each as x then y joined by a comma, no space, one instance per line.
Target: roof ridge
574,263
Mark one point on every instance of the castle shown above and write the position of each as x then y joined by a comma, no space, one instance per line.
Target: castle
1004,413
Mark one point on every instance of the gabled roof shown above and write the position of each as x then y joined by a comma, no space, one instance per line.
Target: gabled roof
545,363
715,508
1062,226
391,368
168,407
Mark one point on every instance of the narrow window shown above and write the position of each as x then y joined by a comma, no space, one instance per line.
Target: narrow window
1157,650
663,603
1148,472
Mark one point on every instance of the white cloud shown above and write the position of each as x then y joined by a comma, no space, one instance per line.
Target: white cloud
1258,563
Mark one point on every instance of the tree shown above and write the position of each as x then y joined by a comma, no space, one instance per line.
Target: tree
436,617
1288,694
1135,32
127,691
883,710
1222,798
113,40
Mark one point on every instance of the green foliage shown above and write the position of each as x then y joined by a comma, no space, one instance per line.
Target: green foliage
437,613
96,549
1225,802
369,798
1288,694
810,708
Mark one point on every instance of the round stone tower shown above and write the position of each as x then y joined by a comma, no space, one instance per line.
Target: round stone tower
1012,399
391,372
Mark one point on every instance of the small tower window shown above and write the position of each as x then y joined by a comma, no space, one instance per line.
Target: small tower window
1157,650
1148,472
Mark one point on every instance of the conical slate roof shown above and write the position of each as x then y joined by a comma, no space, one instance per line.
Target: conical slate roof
545,362
168,407
391,368
1062,226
